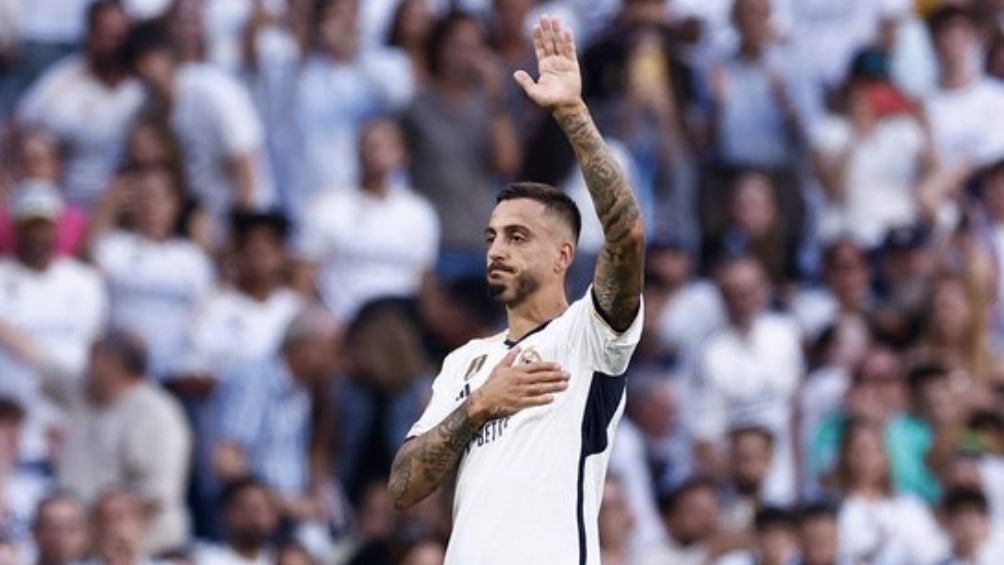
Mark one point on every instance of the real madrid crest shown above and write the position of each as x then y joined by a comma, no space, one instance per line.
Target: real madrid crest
528,356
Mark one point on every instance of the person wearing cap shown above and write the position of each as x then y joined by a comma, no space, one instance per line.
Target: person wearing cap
51,310
874,158
906,268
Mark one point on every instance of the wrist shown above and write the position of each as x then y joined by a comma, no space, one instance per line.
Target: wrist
576,106
476,411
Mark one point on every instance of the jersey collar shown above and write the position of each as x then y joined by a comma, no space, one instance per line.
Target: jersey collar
510,343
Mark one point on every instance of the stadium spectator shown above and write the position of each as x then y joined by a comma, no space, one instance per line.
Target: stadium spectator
156,279
214,119
383,233
461,139
845,293
956,331
87,103
974,539
123,430
60,530
119,521
750,455
381,393
340,87
409,31
37,337
691,307
615,524
761,107
906,266
962,113
264,415
874,158
651,453
747,373
776,541
876,524
251,522
693,536
34,156
22,487
817,532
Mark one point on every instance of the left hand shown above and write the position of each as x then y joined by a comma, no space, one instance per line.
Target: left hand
559,83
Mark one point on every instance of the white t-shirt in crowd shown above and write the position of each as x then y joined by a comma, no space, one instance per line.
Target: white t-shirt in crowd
821,396
224,555
215,120
529,485
992,479
367,246
827,33
232,328
53,21
332,100
880,179
89,118
967,123
889,531
990,553
691,315
750,380
62,310
155,288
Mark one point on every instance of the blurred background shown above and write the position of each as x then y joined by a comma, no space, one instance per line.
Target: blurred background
238,237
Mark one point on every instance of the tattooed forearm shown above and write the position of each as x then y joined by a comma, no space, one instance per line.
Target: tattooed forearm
617,284
426,461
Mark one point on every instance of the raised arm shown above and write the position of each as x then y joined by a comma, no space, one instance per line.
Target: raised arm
617,284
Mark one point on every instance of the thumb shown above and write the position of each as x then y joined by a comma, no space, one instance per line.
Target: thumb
507,361
523,79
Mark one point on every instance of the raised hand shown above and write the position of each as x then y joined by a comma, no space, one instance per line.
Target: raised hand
559,83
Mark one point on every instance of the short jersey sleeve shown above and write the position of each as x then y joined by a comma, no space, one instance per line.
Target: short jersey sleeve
609,349
442,403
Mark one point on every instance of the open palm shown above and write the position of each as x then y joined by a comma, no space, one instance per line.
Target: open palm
559,83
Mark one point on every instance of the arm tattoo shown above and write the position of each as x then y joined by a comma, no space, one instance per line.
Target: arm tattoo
617,284
426,461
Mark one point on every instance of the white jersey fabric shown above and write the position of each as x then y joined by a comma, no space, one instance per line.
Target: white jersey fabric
529,485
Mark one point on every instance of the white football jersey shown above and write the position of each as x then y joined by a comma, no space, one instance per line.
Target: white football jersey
529,485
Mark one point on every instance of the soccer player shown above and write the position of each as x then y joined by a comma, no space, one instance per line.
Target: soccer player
525,417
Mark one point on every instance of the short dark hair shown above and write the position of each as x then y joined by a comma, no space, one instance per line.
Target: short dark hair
440,33
948,14
128,348
11,410
233,489
770,517
924,374
670,501
960,499
145,38
553,200
243,223
817,511
95,9
752,429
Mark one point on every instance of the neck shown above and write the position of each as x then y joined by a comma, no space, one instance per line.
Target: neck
376,185
540,307
258,288
750,50
247,552
37,265
956,76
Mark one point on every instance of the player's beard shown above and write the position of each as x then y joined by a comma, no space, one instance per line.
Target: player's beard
524,283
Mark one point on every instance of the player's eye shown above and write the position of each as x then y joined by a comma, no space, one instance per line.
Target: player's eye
517,238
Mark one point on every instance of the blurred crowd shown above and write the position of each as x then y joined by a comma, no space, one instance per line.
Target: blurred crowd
238,237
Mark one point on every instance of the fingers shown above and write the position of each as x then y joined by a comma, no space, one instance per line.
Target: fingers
567,45
546,388
523,79
539,366
509,358
552,30
538,42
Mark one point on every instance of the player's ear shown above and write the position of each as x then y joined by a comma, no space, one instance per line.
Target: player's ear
566,253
